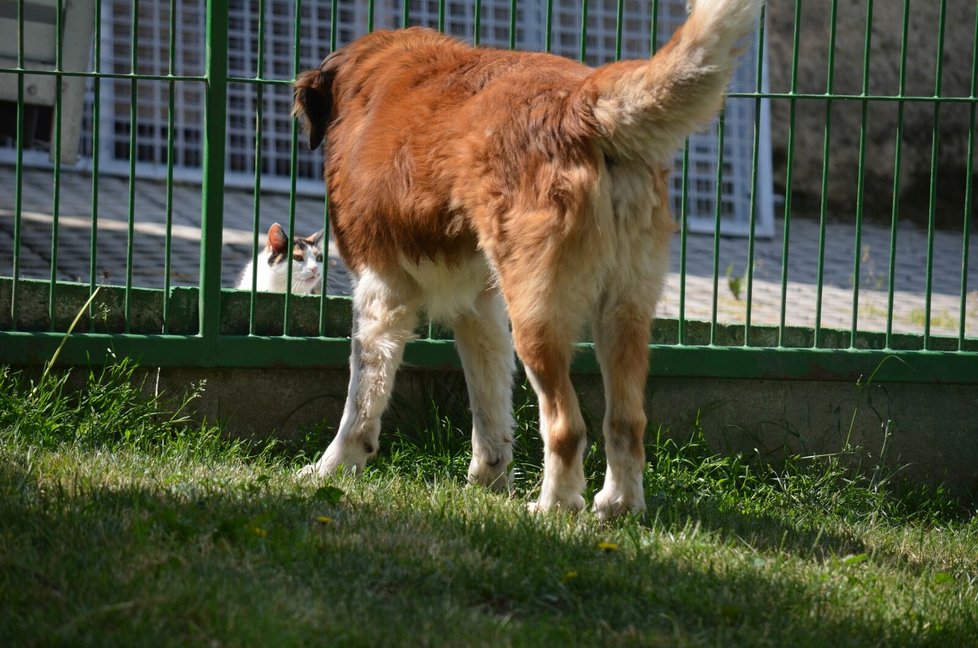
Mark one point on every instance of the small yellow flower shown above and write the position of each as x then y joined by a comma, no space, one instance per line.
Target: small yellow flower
569,575
607,546
260,532
324,519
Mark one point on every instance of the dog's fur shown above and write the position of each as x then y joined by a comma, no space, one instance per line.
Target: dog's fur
473,183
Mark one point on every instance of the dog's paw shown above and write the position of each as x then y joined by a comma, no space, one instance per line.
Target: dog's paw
334,461
572,503
611,503
562,487
493,475
310,471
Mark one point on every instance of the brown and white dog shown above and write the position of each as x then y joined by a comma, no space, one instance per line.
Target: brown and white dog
476,183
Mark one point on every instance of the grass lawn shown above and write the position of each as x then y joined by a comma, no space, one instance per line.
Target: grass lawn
122,524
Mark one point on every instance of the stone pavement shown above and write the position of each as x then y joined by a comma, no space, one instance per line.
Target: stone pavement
74,245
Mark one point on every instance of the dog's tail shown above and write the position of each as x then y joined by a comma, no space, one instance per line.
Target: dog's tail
644,109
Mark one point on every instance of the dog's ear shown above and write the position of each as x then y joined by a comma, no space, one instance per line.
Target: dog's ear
313,101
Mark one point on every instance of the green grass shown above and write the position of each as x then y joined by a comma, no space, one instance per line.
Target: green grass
123,524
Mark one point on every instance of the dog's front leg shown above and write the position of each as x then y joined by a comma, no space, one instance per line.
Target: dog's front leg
385,312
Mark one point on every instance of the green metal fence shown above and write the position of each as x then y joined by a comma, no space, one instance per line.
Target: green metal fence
206,324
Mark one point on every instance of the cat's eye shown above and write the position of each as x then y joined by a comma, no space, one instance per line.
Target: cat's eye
297,257
319,258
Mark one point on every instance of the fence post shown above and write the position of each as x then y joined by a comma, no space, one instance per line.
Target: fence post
212,187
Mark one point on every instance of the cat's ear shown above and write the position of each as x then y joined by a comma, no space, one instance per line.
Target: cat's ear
315,240
278,240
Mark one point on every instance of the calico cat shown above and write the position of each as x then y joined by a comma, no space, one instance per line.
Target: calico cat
272,267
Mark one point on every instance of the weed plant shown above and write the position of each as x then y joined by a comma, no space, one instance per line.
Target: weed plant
114,408
124,523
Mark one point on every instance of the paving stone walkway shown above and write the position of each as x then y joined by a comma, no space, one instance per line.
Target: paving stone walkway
801,292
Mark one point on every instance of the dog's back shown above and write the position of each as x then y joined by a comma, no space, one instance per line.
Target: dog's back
425,132
477,183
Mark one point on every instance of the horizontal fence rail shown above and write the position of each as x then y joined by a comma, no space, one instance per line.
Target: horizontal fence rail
825,219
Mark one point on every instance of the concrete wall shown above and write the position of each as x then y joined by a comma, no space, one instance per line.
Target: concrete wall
771,419
884,69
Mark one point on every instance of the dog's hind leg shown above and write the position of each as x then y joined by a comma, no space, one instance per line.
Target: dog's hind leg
385,311
486,349
621,335
545,347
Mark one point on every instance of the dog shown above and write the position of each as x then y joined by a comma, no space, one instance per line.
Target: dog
519,197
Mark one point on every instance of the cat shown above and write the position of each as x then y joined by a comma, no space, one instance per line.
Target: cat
482,185
273,264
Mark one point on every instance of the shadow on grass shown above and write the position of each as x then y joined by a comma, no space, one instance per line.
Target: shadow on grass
396,562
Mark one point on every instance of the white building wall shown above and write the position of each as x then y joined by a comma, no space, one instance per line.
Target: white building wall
277,127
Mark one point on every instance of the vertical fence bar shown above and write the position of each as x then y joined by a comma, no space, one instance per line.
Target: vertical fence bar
897,163
549,27
934,151
618,26
583,56
333,18
293,171
212,186
133,119
96,149
256,196
861,175
717,224
683,238
755,162
826,156
512,24
19,166
477,23
333,25
171,110
325,286
56,197
441,15
968,188
322,301
256,202
654,29
793,101
405,13
370,16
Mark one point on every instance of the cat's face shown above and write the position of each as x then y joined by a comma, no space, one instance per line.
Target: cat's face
307,264
306,258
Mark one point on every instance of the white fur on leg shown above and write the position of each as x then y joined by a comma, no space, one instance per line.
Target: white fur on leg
562,485
340,456
486,349
347,451
385,320
622,492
